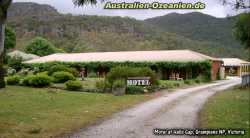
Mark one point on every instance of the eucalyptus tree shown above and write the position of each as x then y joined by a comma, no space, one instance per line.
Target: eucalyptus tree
4,5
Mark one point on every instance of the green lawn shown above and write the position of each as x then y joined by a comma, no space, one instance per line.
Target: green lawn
228,109
29,112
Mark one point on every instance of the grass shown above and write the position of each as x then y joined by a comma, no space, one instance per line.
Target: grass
30,113
228,109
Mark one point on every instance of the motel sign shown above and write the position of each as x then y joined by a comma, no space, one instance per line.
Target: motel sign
138,81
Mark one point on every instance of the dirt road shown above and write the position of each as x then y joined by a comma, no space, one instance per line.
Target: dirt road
178,109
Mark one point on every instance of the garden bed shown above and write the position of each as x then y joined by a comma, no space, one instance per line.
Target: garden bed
88,85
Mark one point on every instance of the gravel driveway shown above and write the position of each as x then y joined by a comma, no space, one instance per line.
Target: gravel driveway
178,109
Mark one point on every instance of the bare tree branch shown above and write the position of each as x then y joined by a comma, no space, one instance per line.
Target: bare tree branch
237,4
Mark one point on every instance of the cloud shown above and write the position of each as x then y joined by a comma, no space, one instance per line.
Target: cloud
213,7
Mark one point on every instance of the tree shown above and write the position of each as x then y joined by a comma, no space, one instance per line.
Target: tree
4,5
242,29
9,41
41,47
10,38
237,4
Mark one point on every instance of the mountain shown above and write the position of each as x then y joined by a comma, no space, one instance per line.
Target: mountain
102,33
198,26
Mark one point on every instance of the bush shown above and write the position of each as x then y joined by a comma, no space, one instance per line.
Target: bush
11,71
125,72
92,75
57,68
62,76
202,78
100,85
24,72
168,84
15,63
134,90
41,47
13,80
73,85
39,80
43,73
119,83
25,81
152,88
189,82
197,80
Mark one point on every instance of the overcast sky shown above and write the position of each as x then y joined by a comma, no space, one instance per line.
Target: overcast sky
213,7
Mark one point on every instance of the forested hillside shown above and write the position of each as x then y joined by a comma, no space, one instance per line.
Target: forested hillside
102,33
198,26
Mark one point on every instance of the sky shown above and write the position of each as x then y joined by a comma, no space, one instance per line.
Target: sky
213,7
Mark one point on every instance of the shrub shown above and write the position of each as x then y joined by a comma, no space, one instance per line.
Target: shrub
57,68
124,72
168,84
134,90
39,80
152,88
92,75
41,47
202,78
73,85
24,72
11,71
61,76
13,80
197,80
189,82
119,83
25,81
43,73
15,63
100,85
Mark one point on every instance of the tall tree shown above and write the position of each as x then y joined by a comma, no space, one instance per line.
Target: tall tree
242,29
41,47
4,5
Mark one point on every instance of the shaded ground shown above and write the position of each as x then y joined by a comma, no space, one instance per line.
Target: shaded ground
178,109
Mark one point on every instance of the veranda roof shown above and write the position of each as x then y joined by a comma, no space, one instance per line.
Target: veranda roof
234,62
128,56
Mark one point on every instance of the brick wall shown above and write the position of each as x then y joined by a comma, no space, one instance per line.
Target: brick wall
215,69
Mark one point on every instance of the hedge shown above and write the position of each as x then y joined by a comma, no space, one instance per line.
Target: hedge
13,80
73,85
40,80
203,66
62,76
123,72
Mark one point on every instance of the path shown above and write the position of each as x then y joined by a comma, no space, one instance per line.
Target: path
177,109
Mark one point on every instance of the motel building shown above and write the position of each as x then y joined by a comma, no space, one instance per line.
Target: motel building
168,64
236,67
